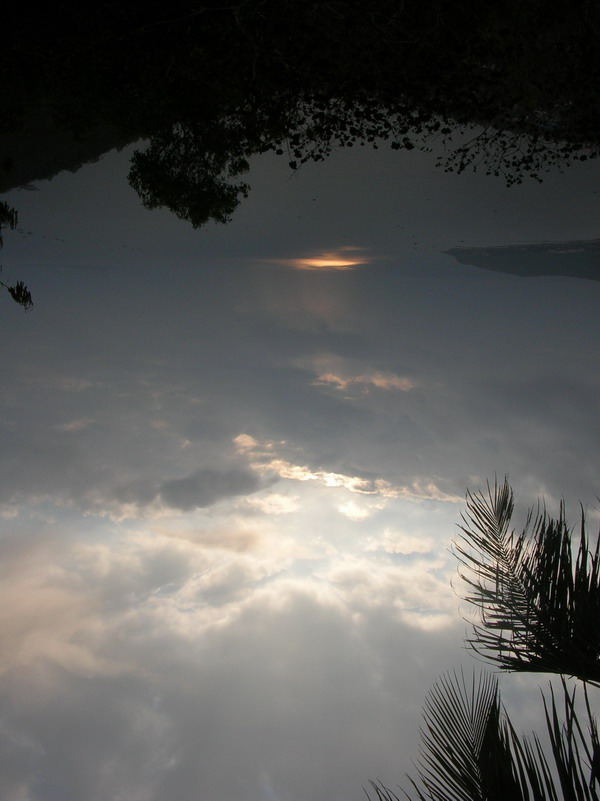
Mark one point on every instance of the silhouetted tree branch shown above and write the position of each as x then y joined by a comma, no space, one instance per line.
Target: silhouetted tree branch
19,292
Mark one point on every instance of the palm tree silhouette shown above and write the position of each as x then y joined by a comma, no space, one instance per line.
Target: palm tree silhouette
538,605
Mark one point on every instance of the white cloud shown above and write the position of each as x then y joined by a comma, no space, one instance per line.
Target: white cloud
354,511
379,380
184,654
272,503
264,459
392,541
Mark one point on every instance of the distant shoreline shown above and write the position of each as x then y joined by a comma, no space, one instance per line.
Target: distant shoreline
573,258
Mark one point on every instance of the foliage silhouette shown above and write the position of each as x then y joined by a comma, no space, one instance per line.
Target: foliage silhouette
8,216
180,170
18,291
471,751
510,88
539,606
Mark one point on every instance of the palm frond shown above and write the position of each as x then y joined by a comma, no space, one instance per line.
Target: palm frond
539,606
575,752
471,751
466,754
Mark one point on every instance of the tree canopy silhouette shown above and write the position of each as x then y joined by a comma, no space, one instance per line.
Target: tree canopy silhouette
509,87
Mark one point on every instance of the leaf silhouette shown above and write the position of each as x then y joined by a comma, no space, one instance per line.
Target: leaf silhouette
539,604
471,752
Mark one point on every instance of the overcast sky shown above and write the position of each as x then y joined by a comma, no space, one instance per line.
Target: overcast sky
233,460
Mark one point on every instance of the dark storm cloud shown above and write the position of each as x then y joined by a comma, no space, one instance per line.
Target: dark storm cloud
206,486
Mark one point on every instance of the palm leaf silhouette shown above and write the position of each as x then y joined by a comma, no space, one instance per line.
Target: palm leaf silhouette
466,750
539,606
471,751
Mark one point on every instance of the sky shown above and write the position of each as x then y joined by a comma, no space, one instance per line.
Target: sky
233,461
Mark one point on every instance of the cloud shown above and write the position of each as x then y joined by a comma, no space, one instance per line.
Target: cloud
226,538
272,504
292,673
353,511
399,542
378,380
265,460
142,664
75,425
206,486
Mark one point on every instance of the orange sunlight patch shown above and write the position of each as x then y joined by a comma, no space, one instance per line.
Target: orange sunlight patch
323,263
346,258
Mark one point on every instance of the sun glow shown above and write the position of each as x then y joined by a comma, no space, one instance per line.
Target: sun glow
324,263
343,259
